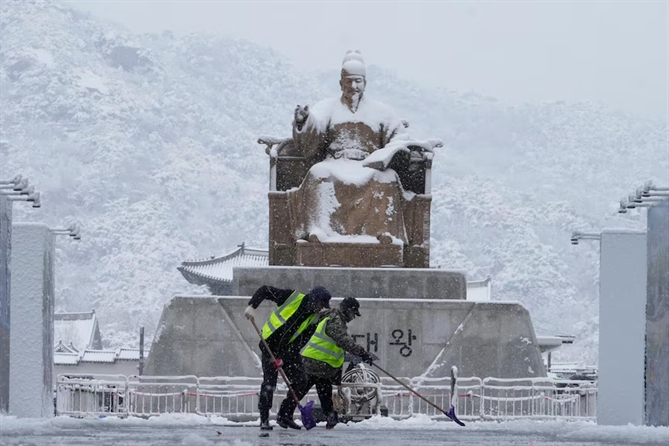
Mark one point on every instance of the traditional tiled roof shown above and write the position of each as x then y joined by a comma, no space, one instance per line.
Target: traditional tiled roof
66,358
97,356
129,354
219,269
62,348
78,330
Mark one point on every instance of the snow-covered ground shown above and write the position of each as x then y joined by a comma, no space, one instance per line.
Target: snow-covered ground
198,430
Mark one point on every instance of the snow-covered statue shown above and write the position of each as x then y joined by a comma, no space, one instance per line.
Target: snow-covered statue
350,188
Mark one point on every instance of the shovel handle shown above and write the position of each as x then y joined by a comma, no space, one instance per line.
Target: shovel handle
271,355
410,389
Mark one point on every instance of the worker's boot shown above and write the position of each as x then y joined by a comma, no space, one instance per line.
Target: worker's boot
264,421
331,420
285,423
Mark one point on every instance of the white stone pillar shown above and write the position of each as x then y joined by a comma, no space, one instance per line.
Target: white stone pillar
622,327
32,308
657,317
5,261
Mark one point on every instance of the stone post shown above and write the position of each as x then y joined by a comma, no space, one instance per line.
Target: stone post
32,308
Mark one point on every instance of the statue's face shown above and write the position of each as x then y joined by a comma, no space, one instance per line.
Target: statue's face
352,86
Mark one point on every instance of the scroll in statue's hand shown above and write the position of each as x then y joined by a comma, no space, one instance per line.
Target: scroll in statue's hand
301,115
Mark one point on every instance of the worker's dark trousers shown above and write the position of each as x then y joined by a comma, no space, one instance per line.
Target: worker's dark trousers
292,366
324,389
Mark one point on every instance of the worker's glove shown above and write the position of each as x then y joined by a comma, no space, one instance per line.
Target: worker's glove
367,358
250,312
278,363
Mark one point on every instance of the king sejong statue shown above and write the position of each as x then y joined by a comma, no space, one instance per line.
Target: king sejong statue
363,173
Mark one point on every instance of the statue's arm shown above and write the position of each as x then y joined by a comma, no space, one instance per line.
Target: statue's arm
270,142
308,135
399,133
395,131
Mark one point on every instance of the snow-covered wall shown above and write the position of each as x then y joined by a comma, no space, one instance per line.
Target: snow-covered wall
622,321
31,343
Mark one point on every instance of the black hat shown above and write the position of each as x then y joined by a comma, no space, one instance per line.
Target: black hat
350,303
322,295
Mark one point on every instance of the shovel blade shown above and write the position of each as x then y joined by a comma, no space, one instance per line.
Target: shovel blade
307,418
451,414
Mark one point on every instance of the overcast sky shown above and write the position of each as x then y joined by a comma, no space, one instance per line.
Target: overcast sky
613,52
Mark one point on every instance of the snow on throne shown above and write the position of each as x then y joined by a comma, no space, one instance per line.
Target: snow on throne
350,188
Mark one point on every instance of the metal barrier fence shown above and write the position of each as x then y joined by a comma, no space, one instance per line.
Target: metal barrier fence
236,398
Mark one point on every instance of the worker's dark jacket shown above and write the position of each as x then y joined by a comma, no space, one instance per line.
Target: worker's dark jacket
336,328
279,340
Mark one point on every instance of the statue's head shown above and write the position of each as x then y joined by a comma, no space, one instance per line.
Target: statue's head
353,77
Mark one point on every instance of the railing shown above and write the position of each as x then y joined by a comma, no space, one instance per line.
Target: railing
236,398
91,395
538,398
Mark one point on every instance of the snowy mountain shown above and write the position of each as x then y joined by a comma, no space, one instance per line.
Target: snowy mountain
149,142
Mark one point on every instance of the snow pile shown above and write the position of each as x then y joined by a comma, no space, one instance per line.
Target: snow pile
583,431
346,171
13,425
568,430
418,421
577,431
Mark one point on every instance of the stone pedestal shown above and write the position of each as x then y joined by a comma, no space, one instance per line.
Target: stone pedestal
209,336
32,308
396,283
622,321
355,255
417,321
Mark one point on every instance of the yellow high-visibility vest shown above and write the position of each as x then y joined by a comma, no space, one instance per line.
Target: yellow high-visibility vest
283,313
322,347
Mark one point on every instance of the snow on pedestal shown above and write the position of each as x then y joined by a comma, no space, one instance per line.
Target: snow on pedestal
622,322
32,307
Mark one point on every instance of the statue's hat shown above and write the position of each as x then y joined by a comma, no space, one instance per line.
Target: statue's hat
353,64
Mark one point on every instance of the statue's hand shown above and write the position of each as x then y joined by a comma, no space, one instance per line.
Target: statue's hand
301,115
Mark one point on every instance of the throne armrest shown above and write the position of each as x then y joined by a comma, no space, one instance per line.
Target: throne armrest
271,141
427,145
287,167
414,169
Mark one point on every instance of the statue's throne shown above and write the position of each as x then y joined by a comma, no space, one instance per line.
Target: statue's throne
288,168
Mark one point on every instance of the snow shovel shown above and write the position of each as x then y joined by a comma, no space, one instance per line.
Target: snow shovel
451,411
308,420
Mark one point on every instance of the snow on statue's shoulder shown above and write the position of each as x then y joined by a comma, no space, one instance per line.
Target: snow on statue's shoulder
371,112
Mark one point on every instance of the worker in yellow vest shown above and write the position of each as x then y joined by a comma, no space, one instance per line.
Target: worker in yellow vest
287,330
324,358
